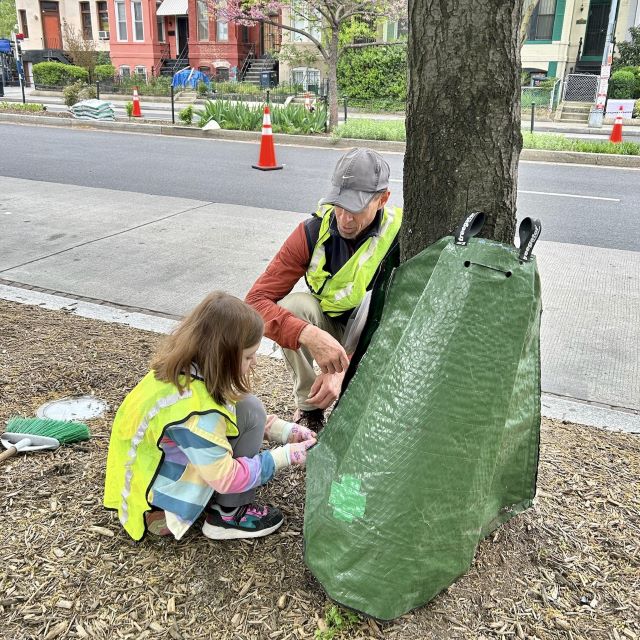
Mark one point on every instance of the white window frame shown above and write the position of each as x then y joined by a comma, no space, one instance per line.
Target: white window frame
121,71
140,70
121,20
224,32
202,20
137,23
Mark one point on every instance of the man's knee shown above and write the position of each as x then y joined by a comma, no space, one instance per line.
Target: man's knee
303,306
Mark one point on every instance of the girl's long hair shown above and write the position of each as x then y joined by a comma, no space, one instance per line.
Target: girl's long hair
213,337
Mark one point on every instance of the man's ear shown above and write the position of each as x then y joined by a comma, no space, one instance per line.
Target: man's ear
384,198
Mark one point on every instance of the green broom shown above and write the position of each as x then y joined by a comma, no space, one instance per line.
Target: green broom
34,434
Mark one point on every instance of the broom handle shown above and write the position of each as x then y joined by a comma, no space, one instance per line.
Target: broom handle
10,452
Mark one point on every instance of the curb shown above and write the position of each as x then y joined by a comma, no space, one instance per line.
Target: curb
531,155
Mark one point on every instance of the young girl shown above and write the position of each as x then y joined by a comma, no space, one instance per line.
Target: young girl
187,437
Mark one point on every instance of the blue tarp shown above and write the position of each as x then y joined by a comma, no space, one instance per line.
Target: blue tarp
189,78
5,45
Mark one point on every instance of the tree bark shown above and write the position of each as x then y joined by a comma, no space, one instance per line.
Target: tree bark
463,119
332,72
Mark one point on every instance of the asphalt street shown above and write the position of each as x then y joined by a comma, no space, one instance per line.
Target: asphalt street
578,204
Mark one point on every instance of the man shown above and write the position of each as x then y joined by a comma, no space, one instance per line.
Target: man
338,251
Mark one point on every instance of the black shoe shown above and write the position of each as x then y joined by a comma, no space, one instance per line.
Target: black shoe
248,521
313,420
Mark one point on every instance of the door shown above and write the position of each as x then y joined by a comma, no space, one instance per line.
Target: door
51,25
182,34
596,32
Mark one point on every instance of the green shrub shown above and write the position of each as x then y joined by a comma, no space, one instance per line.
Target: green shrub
202,89
128,108
636,109
71,93
374,74
57,74
104,72
160,86
186,115
29,107
622,85
88,92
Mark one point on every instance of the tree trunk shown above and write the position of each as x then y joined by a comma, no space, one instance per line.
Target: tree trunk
332,71
463,119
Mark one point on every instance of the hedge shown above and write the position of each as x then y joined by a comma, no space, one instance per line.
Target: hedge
104,72
58,74
374,74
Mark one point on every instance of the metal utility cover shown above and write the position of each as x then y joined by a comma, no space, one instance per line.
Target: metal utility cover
78,408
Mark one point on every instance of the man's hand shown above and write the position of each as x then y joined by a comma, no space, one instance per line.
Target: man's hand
326,389
325,349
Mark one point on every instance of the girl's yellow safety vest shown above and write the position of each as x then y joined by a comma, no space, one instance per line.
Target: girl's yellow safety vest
134,449
345,290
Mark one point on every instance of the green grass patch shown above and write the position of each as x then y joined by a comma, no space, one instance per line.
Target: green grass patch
553,142
18,106
366,129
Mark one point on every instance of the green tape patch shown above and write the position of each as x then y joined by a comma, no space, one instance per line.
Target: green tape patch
347,501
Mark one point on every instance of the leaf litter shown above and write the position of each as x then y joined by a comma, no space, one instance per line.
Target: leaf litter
567,568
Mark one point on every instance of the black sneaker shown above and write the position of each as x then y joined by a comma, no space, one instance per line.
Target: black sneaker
248,521
313,420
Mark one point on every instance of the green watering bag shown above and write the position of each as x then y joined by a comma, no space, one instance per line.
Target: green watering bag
434,443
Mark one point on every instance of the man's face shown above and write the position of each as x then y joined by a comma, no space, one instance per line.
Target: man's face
352,224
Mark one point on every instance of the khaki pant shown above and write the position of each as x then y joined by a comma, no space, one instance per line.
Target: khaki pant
300,362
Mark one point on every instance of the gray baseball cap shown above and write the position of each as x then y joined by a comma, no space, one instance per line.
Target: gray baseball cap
358,176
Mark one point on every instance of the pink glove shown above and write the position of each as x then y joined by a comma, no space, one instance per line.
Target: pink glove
299,433
298,450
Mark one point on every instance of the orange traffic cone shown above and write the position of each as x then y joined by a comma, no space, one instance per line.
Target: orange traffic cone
616,132
267,159
136,112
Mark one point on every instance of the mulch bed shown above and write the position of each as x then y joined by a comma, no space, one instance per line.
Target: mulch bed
568,568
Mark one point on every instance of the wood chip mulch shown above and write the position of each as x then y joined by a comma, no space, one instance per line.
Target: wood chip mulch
568,568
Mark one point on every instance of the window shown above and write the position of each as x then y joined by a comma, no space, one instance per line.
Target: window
24,29
302,17
308,78
222,31
121,20
160,23
85,19
103,16
125,71
141,72
136,16
541,27
222,74
202,16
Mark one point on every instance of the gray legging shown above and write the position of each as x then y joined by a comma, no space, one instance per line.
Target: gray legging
251,420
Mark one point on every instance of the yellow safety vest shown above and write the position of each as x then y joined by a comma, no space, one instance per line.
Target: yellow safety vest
134,449
345,290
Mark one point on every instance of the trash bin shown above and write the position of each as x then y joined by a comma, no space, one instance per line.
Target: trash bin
267,79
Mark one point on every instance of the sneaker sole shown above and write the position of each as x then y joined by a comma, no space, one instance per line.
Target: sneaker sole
222,533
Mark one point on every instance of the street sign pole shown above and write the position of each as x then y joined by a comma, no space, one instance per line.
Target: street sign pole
19,65
596,115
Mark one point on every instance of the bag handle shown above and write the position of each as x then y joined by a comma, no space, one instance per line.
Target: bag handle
470,227
529,232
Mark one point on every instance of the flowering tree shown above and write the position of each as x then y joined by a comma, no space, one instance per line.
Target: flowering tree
325,19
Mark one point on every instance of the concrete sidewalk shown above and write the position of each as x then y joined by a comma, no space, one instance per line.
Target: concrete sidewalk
127,250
